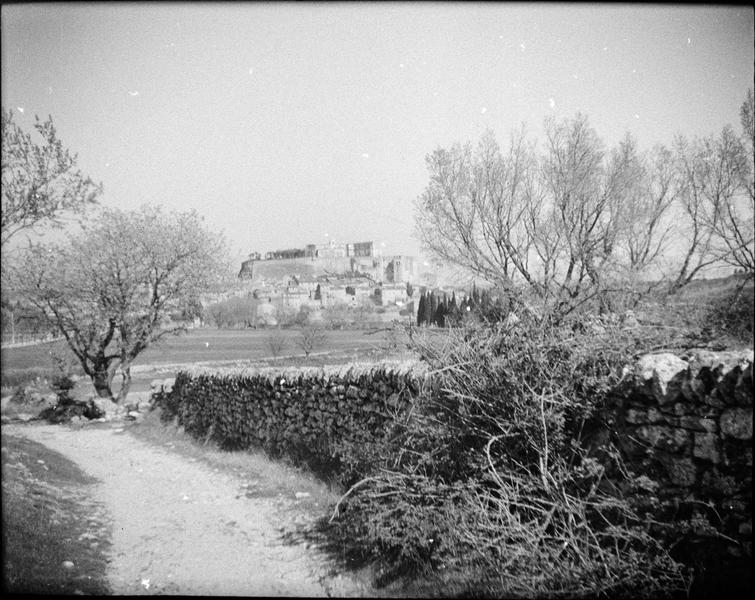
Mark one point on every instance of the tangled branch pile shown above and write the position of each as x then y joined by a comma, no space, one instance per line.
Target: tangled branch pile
485,487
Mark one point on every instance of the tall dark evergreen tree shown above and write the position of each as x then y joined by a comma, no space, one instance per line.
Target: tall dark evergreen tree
453,310
421,309
440,314
432,308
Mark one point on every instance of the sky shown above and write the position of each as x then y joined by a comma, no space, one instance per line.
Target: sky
285,124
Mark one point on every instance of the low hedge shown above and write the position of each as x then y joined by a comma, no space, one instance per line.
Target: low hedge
305,414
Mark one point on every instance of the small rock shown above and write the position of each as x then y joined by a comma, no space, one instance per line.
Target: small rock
67,564
302,495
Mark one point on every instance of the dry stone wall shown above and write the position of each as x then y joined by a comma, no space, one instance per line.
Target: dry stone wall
684,423
302,413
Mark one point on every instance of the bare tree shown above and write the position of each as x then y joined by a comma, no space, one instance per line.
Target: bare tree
110,291
730,193
276,342
555,222
652,192
473,213
576,223
40,182
716,204
311,337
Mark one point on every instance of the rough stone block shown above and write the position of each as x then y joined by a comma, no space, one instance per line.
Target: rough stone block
720,485
707,447
745,528
743,389
681,471
695,389
727,385
665,372
698,424
737,423
636,417
655,416
664,438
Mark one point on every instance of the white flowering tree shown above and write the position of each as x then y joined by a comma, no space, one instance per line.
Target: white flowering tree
110,288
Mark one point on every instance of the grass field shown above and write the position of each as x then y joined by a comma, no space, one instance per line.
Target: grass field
203,345
207,346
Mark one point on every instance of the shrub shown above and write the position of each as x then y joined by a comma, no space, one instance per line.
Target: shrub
484,486
733,313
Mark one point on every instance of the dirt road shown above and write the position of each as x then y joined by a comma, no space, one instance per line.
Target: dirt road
180,527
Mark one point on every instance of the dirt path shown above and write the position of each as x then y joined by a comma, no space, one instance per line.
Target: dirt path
179,527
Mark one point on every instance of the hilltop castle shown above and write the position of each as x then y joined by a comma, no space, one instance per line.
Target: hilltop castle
332,260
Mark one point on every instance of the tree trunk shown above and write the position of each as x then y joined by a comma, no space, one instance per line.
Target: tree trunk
126,385
103,381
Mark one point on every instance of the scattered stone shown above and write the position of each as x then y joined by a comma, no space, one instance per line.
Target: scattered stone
67,564
300,495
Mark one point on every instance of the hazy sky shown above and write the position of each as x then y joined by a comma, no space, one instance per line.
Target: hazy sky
287,123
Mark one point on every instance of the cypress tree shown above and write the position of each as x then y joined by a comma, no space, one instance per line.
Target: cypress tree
421,309
432,308
453,310
440,314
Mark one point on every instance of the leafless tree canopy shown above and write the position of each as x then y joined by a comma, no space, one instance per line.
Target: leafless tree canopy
575,221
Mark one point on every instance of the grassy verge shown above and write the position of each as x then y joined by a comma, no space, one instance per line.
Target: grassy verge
273,478
49,522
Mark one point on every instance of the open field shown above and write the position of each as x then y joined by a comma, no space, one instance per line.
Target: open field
209,346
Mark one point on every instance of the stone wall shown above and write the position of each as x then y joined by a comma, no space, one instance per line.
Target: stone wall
685,423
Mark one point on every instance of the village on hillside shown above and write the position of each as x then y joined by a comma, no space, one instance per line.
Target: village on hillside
351,278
